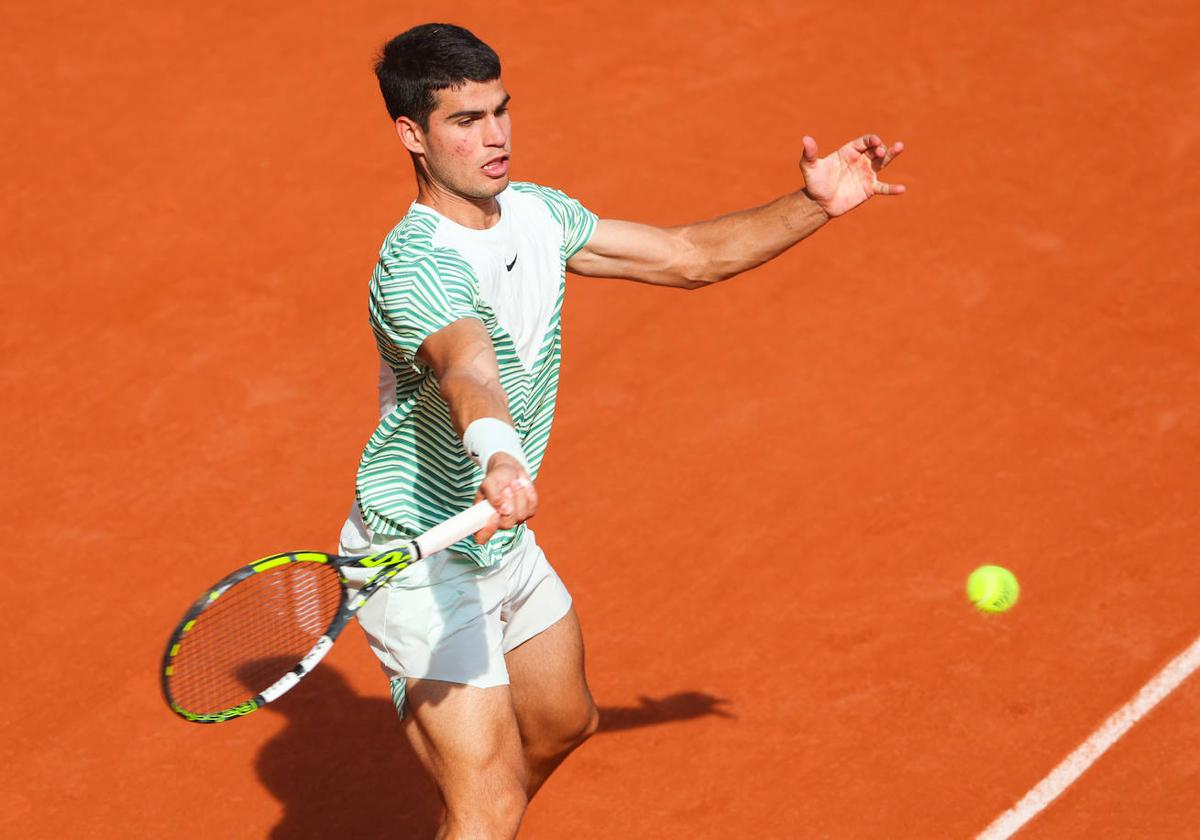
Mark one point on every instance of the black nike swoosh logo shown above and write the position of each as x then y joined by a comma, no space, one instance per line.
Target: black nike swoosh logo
510,265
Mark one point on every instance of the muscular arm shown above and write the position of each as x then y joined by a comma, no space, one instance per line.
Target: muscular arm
463,359
697,255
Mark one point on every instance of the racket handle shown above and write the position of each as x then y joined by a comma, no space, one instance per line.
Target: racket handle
455,528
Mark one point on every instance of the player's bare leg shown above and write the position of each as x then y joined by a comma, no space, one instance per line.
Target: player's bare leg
554,708
468,739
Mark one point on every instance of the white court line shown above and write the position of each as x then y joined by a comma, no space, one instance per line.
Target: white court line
1074,765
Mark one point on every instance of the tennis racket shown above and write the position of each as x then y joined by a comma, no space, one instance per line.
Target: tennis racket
257,632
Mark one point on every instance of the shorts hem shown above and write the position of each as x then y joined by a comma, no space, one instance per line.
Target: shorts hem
507,648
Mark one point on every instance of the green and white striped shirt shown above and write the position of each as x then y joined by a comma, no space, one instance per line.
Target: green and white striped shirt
431,272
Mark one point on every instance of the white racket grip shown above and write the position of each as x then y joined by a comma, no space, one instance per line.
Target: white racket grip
454,529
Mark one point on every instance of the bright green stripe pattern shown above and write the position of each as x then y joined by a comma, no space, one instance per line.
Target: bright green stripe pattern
414,472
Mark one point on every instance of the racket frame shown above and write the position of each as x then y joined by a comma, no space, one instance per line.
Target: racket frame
389,564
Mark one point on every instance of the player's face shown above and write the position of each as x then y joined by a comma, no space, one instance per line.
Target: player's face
469,140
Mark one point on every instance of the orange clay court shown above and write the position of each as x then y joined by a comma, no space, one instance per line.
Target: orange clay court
790,475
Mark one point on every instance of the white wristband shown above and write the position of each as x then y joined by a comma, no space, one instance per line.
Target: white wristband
489,435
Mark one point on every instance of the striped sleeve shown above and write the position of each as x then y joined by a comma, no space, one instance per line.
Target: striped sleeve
577,222
412,299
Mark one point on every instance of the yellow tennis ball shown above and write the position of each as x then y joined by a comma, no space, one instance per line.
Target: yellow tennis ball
993,589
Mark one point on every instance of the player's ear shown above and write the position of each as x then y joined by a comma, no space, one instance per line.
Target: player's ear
410,135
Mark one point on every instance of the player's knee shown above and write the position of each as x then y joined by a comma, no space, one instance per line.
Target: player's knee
510,808
584,727
591,724
557,741
494,815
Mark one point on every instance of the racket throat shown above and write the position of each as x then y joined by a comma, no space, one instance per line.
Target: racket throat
310,661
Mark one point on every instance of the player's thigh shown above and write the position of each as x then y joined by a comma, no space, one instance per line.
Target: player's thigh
550,694
467,737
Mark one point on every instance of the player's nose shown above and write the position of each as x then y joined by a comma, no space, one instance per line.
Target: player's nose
495,133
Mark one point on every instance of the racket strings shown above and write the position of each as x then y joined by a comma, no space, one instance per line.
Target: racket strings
253,634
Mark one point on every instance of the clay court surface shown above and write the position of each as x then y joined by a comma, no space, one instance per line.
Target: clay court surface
765,496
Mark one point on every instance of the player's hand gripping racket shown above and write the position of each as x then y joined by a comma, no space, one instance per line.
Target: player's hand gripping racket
260,630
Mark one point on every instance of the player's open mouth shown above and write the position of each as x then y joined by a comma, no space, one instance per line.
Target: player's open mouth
497,168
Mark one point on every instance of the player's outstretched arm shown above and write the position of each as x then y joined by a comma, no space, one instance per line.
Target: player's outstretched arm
463,359
699,254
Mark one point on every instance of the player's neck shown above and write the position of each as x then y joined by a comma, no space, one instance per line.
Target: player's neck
476,213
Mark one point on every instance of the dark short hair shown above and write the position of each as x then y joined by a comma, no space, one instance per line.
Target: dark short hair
415,65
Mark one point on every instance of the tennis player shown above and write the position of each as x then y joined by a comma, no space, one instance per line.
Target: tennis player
481,643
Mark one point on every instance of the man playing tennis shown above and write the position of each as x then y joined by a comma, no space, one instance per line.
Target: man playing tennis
481,644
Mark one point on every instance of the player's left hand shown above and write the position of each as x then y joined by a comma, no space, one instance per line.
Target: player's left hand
845,179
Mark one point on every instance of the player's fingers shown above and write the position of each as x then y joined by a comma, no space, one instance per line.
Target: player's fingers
888,189
509,507
533,499
809,151
485,533
888,157
526,498
493,489
502,501
514,510
508,490
867,142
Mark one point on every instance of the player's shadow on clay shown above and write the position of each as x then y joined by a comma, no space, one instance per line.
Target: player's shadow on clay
342,766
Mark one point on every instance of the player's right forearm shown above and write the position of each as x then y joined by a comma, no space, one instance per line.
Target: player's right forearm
463,359
479,411
472,396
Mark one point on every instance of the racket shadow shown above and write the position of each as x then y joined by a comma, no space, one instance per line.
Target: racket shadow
650,711
342,766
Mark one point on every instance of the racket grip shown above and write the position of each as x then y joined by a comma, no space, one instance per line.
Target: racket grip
454,529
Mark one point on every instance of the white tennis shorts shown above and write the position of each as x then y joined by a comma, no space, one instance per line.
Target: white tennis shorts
447,618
